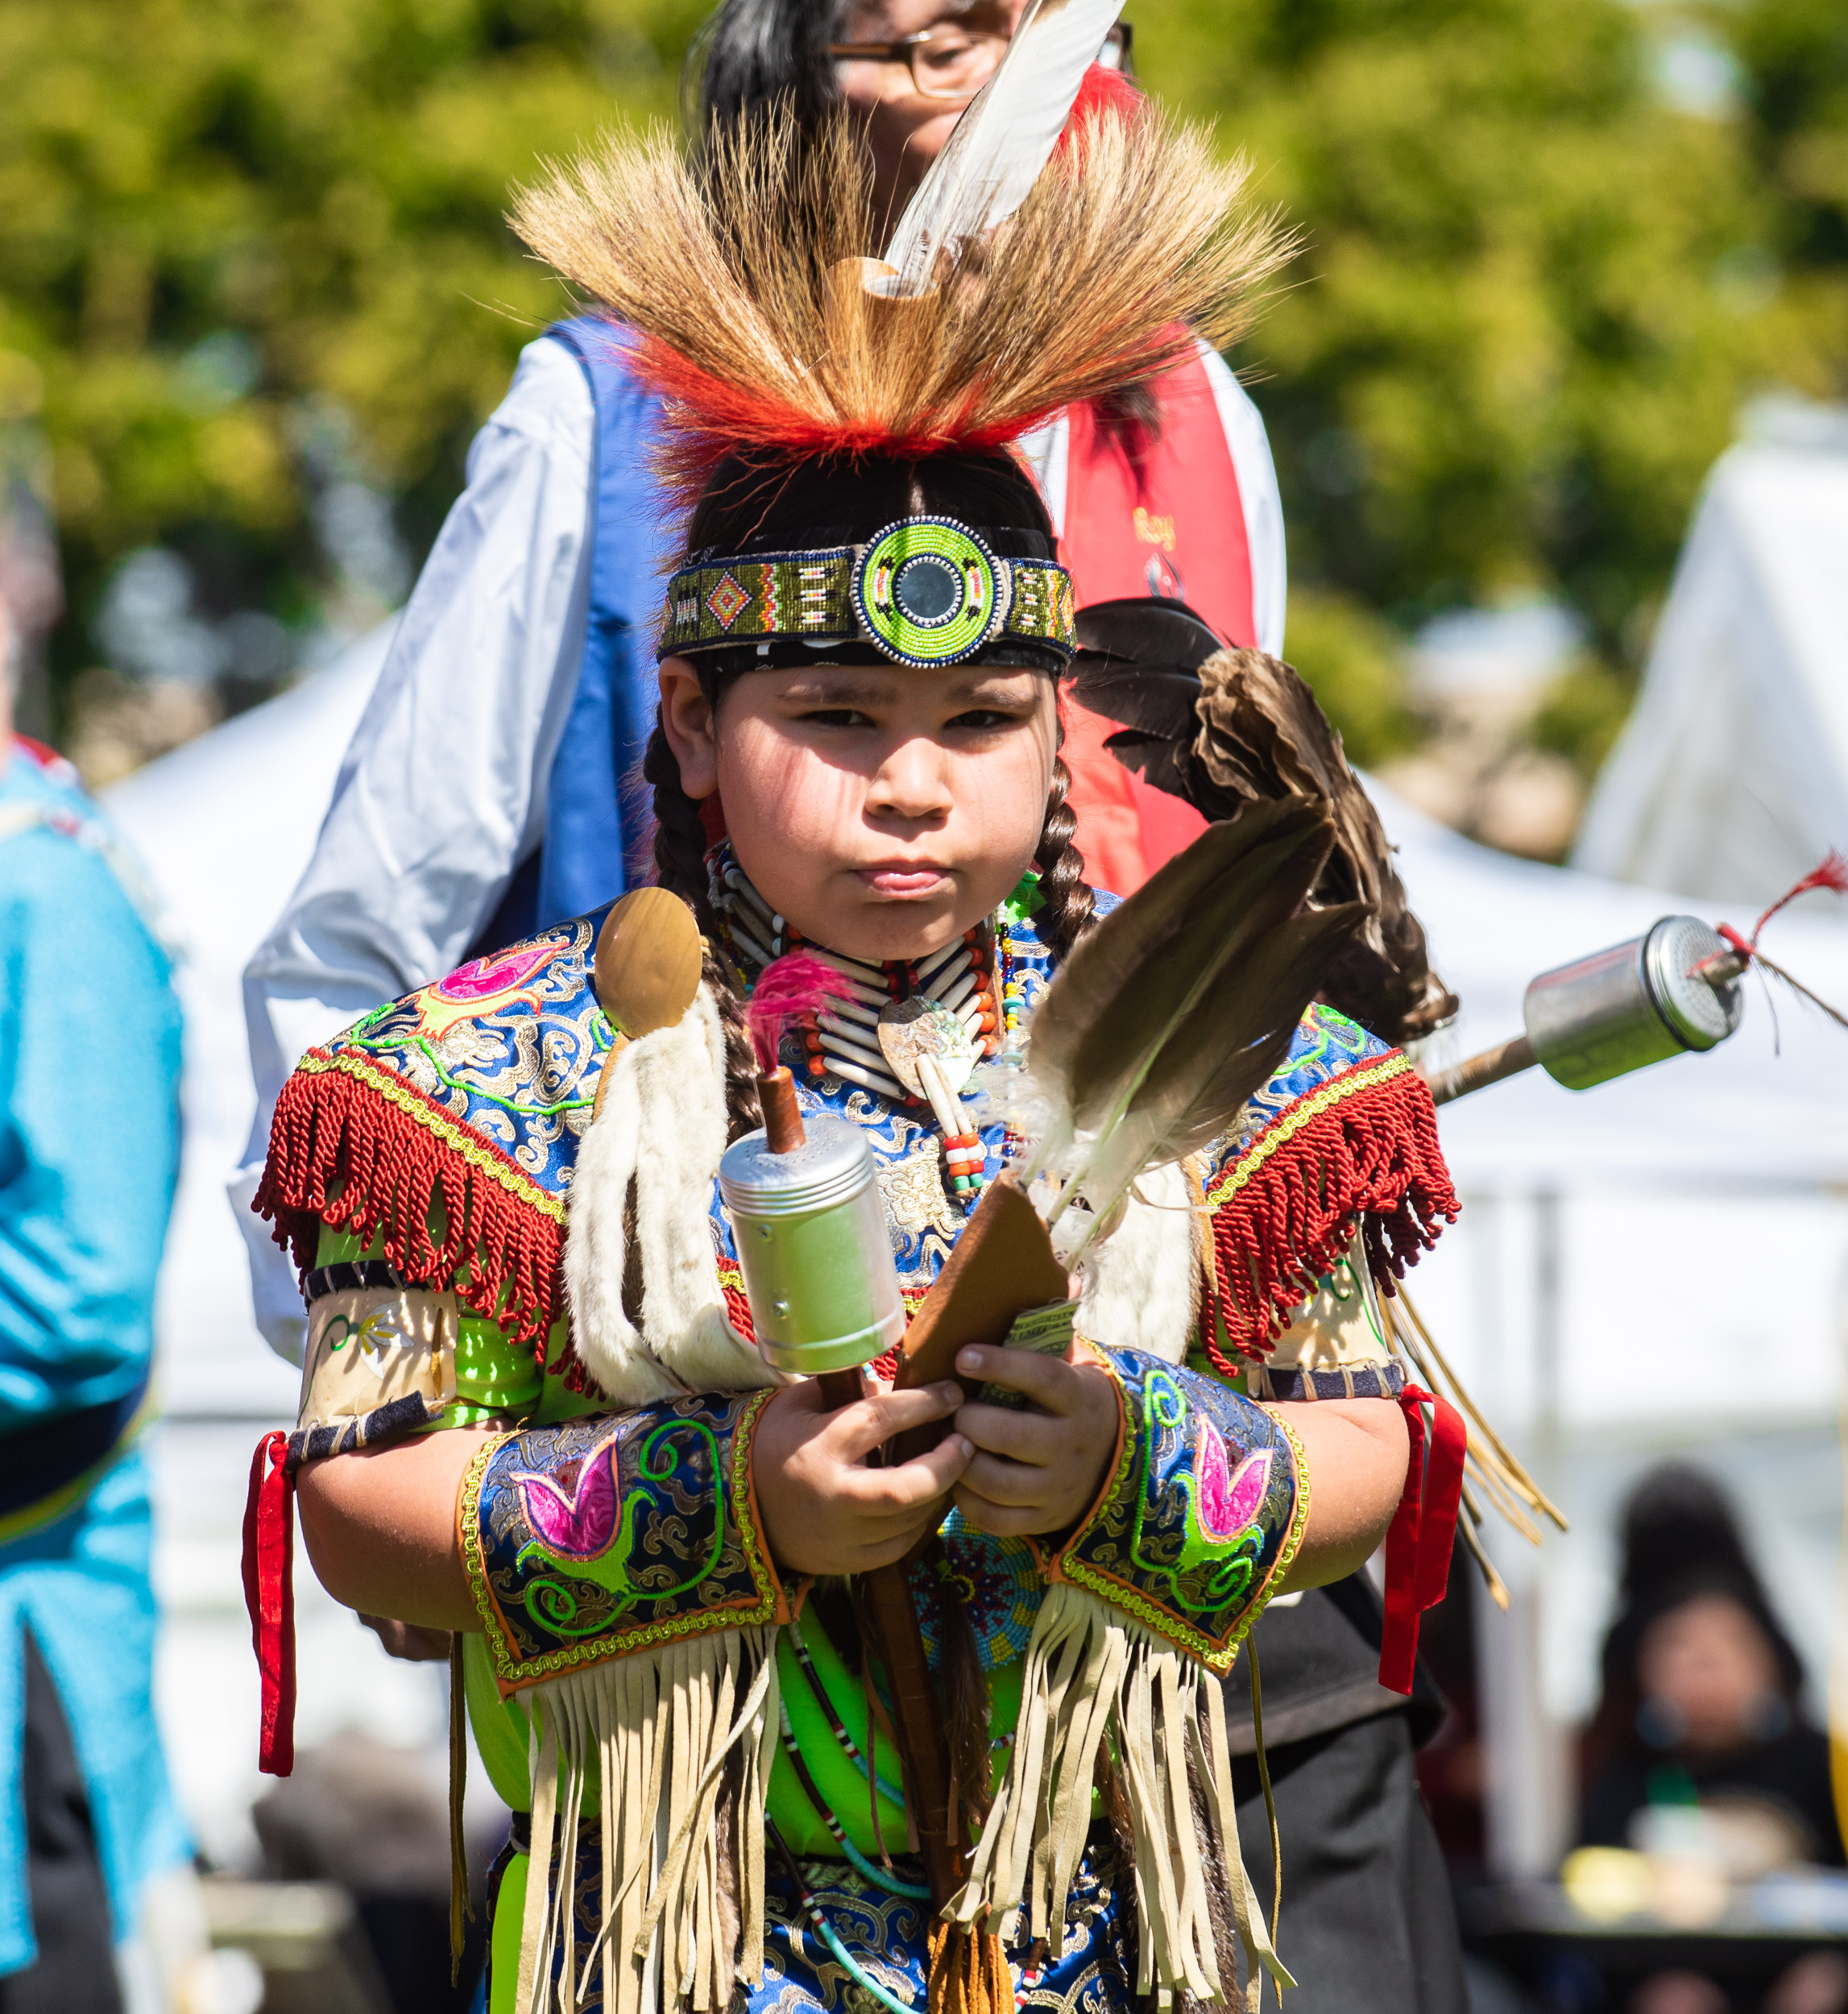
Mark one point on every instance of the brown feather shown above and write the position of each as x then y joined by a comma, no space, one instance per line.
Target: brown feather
1273,989
1224,1052
1100,1026
1224,729
1260,734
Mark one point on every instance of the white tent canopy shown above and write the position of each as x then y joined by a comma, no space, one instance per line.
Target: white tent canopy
1731,777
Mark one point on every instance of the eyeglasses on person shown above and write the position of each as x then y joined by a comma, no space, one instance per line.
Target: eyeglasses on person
949,62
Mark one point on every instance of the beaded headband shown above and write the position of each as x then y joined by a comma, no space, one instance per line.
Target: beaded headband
925,591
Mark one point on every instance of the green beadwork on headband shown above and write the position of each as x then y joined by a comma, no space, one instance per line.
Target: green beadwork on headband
928,591
925,591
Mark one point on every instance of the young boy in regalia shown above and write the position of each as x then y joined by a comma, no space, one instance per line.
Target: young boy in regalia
533,1413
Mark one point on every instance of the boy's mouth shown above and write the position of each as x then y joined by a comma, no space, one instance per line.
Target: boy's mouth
898,879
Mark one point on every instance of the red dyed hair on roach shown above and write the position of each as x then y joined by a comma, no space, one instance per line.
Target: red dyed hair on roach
1101,93
791,986
735,419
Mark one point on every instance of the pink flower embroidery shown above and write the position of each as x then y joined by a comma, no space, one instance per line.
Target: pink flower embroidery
581,1525
482,978
1226,1504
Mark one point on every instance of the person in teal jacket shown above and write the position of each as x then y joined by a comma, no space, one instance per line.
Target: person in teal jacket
90,1067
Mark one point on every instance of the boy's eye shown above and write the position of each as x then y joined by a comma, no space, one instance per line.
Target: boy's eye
836,717
983,719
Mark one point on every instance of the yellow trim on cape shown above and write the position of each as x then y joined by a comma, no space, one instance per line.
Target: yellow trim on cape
392,1089
1363,1077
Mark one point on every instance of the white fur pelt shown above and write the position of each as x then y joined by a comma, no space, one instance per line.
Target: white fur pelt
662,1123
1141,1283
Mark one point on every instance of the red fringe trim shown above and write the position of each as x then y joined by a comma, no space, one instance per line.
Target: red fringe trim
1370,1157
341,1153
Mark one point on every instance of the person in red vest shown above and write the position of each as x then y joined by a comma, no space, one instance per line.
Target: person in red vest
1172,494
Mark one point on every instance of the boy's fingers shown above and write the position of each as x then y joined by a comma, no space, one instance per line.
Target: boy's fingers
1001,1520
903,1490
1023,1436
856,1430
885,1551
1013,1483
1047,1380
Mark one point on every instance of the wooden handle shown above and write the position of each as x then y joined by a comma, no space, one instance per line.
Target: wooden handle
1475,1073
783,1130
922,1747
886,1600
841,1388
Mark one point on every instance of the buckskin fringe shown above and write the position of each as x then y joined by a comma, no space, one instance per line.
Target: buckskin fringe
380,1166
1363,1144
1091,1675
659,1729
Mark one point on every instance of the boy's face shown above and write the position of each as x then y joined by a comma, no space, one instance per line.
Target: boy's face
882,811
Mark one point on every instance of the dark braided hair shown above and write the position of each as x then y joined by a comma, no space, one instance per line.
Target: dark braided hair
1068,911
680,865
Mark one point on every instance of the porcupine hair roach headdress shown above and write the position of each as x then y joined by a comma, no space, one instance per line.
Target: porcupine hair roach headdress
754,306
757,325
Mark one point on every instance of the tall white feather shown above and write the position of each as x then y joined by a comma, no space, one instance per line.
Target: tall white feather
1005,138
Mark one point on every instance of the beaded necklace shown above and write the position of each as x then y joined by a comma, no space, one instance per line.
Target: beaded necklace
846,1041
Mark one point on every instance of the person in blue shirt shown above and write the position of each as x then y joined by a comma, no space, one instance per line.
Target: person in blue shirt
90,1067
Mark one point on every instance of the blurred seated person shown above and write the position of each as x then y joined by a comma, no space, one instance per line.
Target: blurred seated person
1702,1689
1702,1708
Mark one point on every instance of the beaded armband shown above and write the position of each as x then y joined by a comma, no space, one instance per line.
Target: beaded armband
380,1361
608,1536
1202,1513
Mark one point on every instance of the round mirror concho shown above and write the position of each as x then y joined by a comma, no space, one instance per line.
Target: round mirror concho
928,591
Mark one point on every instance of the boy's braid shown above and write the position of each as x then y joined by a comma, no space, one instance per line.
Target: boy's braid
1066,916
680,866
679,832
743,1108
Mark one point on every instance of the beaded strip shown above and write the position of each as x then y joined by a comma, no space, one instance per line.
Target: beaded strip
812,1909
824,1811
849,1746
809,596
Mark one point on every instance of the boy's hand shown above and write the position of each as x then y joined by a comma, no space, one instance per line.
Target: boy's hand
824,1510
1035,1472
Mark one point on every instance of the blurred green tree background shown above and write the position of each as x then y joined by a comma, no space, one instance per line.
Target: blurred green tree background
253,271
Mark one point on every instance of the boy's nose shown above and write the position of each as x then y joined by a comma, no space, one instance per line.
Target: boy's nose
913,783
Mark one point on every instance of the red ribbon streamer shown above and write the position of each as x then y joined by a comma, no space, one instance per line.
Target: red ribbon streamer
1424,1531
269,1595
